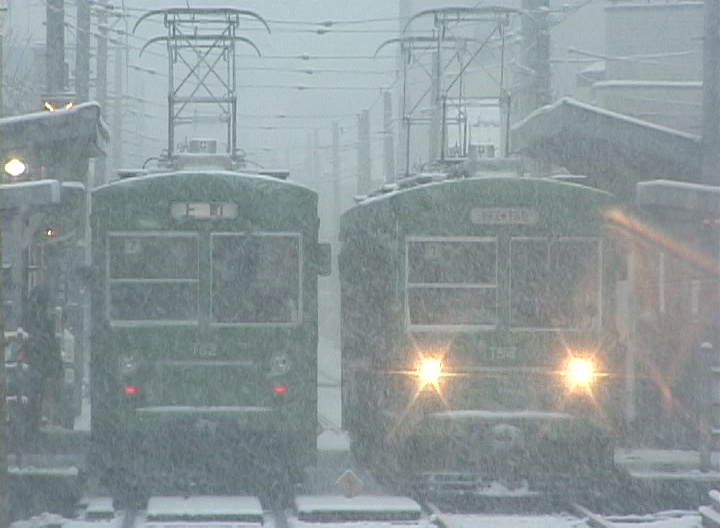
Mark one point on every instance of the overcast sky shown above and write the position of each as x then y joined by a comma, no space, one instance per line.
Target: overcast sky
345,79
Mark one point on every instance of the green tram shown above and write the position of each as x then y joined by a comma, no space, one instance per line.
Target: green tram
479,351
205,324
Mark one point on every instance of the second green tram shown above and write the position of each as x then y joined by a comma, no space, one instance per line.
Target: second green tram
479,350
205,323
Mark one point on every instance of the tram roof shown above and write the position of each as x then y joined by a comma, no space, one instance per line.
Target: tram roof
376,207
230,176
406,188
616,150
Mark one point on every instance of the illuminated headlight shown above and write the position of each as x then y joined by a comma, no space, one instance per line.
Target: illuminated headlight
280,364
429,370
580,372
129,363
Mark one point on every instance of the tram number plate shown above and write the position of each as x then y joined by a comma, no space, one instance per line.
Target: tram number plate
504,215
504,353
205,350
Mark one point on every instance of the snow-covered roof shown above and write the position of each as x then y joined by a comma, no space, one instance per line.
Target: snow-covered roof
364,510
674,194
73,185
652,4
201,508
626,83
36,192
615,149
40,134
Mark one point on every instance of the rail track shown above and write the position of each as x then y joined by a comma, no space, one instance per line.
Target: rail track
332,511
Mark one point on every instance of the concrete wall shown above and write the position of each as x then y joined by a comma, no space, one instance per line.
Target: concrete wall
661,40
653,69
675,105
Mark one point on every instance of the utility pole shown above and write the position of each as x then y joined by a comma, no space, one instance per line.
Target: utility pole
317,180
3,10
388,144
82,51
117,110
403,155
55,69
309,157
364,180
101,83
336,179
56,75
334,281
534,85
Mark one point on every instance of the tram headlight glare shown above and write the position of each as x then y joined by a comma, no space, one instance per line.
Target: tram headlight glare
429,370
580,371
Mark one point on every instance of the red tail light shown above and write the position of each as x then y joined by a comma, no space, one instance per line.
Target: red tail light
280,389
131,390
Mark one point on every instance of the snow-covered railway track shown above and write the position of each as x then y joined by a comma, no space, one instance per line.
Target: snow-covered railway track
577,517
367,511
445,519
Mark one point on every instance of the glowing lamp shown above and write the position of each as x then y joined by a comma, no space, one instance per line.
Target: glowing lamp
580,371
15,167
429,370
52,106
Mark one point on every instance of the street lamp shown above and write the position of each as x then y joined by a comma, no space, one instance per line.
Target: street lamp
15,167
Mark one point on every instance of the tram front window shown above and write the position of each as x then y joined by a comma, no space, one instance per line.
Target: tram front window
255,278
555,284
153,277
452,281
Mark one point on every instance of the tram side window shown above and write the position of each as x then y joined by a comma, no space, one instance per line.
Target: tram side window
555,284
255,278
153,277
452,282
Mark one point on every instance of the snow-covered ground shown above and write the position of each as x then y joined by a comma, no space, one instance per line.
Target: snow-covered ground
335,458
663,520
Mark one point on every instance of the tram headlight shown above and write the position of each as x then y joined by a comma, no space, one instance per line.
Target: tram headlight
580,372
429,370
129,363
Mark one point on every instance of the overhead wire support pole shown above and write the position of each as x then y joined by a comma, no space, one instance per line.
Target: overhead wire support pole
198,40
405,119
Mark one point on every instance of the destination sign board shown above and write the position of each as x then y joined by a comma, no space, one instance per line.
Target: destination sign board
504,215
203,210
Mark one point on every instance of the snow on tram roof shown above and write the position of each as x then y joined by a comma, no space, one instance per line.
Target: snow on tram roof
142,177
